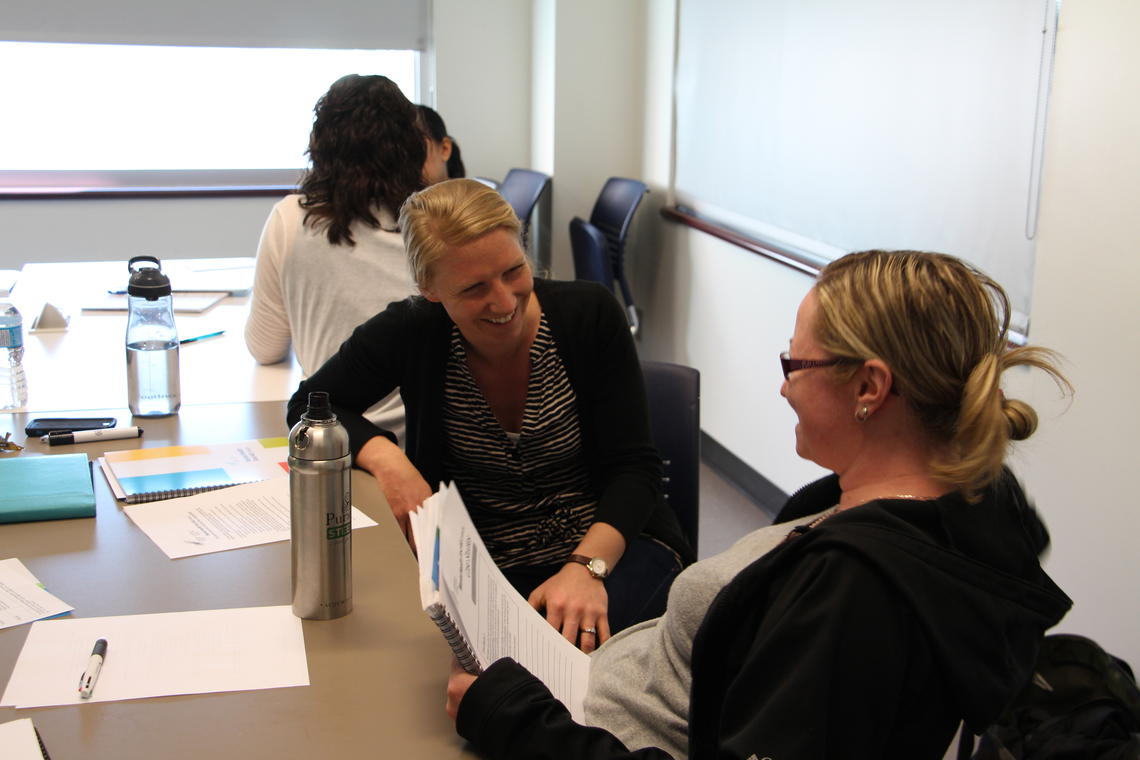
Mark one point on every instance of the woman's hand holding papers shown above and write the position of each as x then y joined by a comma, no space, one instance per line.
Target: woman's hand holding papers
575,604
574,601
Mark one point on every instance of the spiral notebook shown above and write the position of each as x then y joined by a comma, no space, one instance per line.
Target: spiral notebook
20,739
454,637
166,472
482,617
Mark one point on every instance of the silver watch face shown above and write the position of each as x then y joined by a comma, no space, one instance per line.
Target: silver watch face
597,567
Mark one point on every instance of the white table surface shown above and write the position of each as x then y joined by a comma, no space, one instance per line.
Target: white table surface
84,367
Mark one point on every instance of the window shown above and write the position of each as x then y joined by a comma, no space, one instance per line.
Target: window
103,116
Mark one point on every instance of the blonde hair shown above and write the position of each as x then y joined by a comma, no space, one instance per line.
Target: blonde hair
450,214
941,325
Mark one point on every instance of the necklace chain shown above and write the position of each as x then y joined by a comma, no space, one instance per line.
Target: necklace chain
801,529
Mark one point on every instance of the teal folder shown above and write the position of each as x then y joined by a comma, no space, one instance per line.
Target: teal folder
50,487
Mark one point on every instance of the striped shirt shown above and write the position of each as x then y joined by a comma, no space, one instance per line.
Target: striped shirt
531,500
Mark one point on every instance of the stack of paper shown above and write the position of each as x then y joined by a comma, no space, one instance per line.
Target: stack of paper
148,474
480,614
230,518
23,598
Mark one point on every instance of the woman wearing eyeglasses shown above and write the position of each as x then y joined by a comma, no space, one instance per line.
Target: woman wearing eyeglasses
903,595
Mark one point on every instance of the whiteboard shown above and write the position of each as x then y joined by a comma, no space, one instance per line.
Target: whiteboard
828,126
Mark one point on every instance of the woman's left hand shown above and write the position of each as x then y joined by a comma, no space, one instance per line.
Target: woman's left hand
457,685
575,603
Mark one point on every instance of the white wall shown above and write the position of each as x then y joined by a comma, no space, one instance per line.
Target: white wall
1080,466
599,67
483,81
113,229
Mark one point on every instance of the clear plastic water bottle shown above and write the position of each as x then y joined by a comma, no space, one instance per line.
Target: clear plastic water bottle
13,383
320,501
153,386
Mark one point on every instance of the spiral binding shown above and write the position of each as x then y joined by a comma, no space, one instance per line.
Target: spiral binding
455,639
140,498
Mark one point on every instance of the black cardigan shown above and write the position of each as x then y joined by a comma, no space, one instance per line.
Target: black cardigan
406,346
870,635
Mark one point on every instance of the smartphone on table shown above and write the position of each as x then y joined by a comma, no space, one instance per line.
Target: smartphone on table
45,425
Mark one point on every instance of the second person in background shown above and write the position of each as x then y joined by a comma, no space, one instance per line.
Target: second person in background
528,394
443,150
331,255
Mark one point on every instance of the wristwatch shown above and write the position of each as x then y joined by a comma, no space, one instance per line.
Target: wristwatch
596,565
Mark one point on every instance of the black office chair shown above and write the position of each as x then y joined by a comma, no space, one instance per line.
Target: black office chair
674,395
591,253
612,214
522,188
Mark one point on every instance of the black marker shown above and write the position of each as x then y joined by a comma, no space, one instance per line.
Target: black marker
88,436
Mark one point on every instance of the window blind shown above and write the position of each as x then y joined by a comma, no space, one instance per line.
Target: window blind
354,24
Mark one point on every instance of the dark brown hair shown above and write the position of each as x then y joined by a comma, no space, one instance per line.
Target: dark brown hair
366,150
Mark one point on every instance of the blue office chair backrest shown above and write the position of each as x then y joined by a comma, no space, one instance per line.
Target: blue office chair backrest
674,395
591,253
522,188
614,209
612,214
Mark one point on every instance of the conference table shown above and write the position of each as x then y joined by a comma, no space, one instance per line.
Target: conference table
84,365
377,675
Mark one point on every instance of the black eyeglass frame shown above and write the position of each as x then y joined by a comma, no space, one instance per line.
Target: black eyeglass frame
790,365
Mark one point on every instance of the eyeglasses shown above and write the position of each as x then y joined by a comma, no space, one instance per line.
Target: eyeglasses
790,365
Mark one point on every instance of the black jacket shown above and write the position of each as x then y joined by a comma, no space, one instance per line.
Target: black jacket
868,636
406,346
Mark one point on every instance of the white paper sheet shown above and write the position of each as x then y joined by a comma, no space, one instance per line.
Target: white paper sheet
18,740
161,654
228,518
22,597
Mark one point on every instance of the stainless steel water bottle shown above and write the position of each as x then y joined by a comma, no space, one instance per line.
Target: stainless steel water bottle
320,502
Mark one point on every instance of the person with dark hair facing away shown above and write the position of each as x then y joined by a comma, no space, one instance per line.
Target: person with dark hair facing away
331,255
902,594
527,393
443,150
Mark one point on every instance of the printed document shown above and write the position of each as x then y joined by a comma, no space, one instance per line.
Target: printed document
216,521
159,655
459,578
23,598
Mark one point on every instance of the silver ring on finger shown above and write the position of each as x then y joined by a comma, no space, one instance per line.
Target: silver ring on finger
591,631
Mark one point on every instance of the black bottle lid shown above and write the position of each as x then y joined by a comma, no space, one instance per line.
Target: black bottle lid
147,282
319,407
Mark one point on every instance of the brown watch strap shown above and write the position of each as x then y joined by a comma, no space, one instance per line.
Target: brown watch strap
581,559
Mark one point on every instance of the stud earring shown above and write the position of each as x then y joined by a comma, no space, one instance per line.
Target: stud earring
862,414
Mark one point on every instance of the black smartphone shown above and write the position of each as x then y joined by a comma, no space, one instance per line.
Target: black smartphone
45,425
